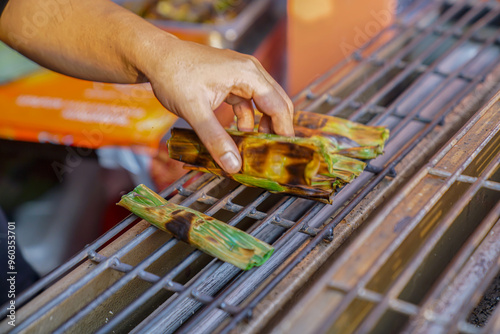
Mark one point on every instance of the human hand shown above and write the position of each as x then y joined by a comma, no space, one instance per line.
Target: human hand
189,79
192,80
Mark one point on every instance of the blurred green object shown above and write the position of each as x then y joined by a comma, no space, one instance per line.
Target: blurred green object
13,65
195,11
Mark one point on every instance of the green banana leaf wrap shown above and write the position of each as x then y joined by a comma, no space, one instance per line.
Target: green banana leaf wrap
206,233
323,157
350,136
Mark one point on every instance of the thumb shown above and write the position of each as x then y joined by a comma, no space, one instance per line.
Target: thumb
218,142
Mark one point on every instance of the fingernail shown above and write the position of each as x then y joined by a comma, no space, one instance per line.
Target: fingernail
230,162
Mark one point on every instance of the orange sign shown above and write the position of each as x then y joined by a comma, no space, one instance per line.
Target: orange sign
322,33
50,107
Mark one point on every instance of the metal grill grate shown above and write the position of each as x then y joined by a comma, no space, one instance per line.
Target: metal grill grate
144,281
430,254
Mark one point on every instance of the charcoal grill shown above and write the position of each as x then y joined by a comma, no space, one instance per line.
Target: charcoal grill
438,65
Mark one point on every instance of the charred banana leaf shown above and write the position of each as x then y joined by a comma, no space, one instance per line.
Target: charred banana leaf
320,159
206,233
350,138
306,167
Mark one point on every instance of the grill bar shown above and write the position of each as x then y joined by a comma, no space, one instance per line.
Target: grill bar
132,273
85,280
258,215
291,223
83,254
347,300
223,296
283,246
352,204
404,52
398,285
167,308
414,65
375,297
122,316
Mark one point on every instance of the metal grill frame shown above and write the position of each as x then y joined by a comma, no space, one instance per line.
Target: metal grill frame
317,221
473,268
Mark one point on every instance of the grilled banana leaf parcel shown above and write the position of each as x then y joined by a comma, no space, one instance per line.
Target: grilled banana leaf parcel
352,139
206,233
322,158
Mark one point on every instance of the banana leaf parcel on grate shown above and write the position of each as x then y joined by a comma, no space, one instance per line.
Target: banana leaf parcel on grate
321,158
206,233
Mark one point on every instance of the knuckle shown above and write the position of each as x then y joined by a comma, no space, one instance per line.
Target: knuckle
251,61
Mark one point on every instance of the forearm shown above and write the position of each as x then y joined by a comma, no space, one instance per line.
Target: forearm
91,39
98,40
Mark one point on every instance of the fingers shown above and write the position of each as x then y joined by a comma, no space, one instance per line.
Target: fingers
265,124
243,109
275,109
273,82
272,101
217,141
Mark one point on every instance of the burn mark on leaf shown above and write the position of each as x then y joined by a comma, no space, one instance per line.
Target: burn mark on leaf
310,120
258,151
180,224
296,174
211,240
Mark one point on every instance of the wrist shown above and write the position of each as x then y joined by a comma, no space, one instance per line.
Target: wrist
151,48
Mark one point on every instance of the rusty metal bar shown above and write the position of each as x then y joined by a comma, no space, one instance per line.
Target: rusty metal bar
393,162
401,282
